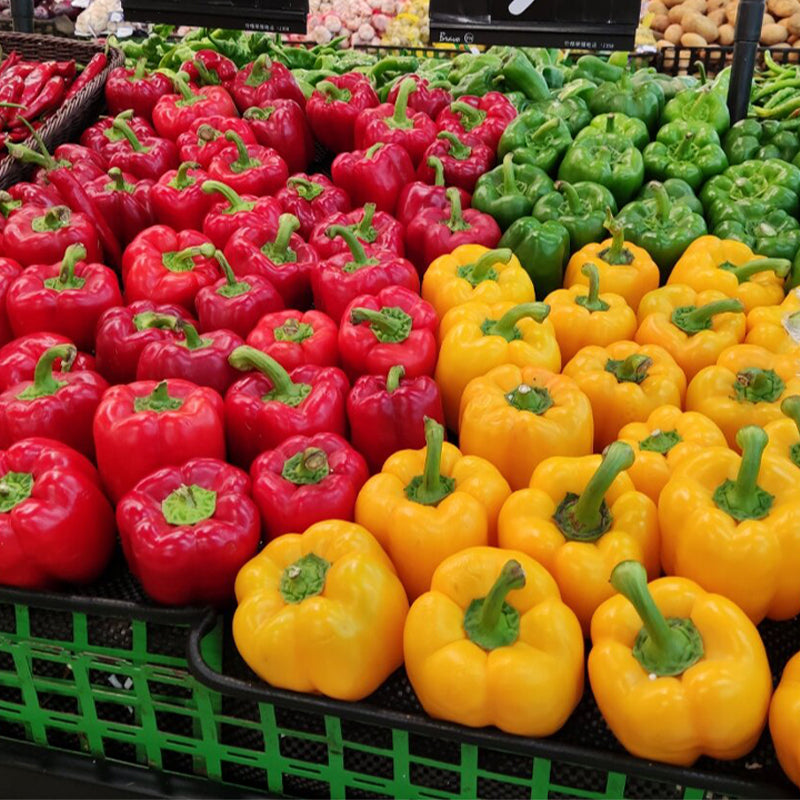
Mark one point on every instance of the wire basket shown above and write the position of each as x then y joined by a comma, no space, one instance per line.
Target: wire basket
678,60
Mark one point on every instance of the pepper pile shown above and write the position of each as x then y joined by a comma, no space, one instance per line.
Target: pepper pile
206,342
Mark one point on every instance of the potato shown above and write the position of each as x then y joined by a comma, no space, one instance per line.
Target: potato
767,20
673,33
714,5
731,11
676,13
783,8
656,7
773,34
717,16
727,33
697,23
693,40
671,3
697,5
792,24
660,23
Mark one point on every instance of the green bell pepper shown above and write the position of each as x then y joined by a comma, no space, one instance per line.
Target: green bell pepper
750,139
629,127
663,228
581,88
669,85
581,208
606,158
699,105
644,101
595,69
572,110
678,191
767,231
519,75
543,250
510,191
687,150
388,69
519,100
542,145
554,76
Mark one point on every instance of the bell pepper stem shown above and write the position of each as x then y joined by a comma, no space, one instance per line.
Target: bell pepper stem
743,498
610,123
458,150
304,578
663,648
400,118
545,128
587,510
66,278
22,153
181,84
632,369
208,77
364,230
284,390
308,467
232,286
456,221
53,219
331,90
436,165
188,505
44,384
152,319
305,188
387,326
192,337
790,407
235,202
243,161
396,374
470,116
509,175
259,113
431,487
573,198
743,273
661,197
287,225
351,240
693,319
118,183
483,269
182,179
617,253
490,622
139,70
370,151
683,150
258,74
183,260
591,301
120,124
506,326
701,70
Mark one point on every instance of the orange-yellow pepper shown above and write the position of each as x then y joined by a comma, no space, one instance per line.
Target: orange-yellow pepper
476,337
776,328
624,268
625,382
322,611
784,719
745,387
491,643
677,672
694,327
427,504
731,523
579,519
732,268
516,417
473,272
667,437
582,316
783,434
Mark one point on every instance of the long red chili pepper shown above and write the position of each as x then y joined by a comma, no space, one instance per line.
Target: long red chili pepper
95,66
49,97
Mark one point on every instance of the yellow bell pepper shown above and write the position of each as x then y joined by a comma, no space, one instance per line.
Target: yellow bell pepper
322,611
730,523
662,442
784,720
515,417
473,272
427,504
491,643
624,268
625,382
476,337
776,328
677,672
582,316
732,268
693,327
579,519
745,387
783,434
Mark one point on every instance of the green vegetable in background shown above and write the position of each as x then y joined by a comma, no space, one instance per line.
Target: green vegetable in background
643,101
678,192
543,145
543,250
573,111
750,139
629,127
767,231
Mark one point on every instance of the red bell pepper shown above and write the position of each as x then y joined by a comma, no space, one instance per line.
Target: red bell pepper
375,230
375,175
187,530
174,113
437,231
143,426
262,81
209,68
58,406
97,63
419,196
137,89
122,334
428,100
200,359
36,235
337,281
232,212
269,405
56,525
167,266
387,413
178,198
67,297
464,160
86,164
9,271
277,253
19,357
249,169
333,107
35,194
145,157
124,201
294,338
394,326
282,125
102,134
236,304
392,124
311,198
307,479
205,138
485,117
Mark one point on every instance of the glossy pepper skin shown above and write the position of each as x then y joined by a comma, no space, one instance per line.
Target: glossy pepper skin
305,480
428,504
775,328
712,681
9,271
580,517
18,358
517,416
282,126
178,199
137,89
124,201
334,106
783,719
67,298
386,413
311,198
704,104
745,387
536,140
143,426
625,382
145,157
56,525
234,211
463,160
394,326
374,229
663,441
174,113
209,67
484,617
631,128
430,98
332,591
187,530
206,138
773,233
58,406
270,404
248,169
754,139
264,80
484,118
643,101
296,338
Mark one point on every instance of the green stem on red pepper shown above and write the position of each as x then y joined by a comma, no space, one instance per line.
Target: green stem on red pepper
152,319
182,179
183,260
188,97
159,400
232,287
394,377
120,124
235,202
470,116
54,219
192,339
188,505
458,150
306,468
356,248
389,325
365,230
243,161
66,278
44,384
436,165
330,90
284,390
308,190
400,119
370,151
456,221
279,251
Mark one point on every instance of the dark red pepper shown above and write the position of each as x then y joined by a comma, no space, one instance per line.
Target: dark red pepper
311,198
428,99
103,133
36,195
9,271
10,92
145,157
282,126
174,113
19,357
49,97
262,81
419,196
137,89
233,212
86,164
95,67
205,138
178,198
333,107
249,169
294,338
464,161
374,229
482,117
209,68
124,201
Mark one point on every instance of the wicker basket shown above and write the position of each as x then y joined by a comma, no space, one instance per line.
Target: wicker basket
74,115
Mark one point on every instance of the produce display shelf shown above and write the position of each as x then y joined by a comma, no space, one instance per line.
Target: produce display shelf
679,60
